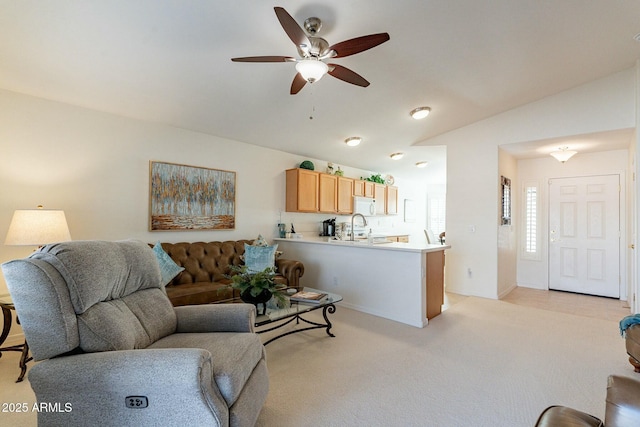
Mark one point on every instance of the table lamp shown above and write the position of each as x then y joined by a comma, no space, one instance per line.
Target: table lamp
37,227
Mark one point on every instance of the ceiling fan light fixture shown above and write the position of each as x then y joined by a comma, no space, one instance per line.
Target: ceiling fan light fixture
421,164
312,70
420,112
396,156
353,141
563,154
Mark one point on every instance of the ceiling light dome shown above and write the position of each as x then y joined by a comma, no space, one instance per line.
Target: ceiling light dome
421,164
353,141
563,154
396,156
420,112
312,70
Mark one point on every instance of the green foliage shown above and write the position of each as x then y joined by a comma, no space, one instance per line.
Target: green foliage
374,178
243,279
307,165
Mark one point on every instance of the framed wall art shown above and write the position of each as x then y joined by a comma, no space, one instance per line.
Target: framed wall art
191,198
505,185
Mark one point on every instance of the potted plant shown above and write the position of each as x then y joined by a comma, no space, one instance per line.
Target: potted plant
256,287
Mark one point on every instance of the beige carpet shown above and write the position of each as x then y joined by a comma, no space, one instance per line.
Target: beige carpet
480,363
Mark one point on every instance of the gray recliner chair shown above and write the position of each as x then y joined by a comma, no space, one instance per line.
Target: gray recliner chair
114,351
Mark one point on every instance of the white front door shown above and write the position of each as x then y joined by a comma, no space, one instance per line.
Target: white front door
584,239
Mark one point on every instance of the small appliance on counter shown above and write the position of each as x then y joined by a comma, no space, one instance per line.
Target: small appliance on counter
329,227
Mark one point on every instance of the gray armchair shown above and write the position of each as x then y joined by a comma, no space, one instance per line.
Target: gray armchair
114,351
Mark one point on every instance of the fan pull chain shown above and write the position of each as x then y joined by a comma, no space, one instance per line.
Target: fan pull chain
313,107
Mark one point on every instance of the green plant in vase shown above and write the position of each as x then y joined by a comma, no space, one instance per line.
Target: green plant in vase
257,287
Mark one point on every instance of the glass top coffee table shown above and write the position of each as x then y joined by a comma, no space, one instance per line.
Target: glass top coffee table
294,311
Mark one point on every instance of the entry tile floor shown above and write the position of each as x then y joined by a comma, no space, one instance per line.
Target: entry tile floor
564,302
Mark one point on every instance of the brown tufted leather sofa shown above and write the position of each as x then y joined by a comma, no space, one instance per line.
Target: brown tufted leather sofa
205,265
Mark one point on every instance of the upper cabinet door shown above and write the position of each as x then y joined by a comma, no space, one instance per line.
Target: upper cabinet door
302,190
345,195
369,189
328,193
358,187
391,207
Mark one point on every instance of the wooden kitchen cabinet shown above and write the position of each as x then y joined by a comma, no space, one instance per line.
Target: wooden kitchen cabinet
434,282
369,189
404,238
391,200
302,190
379,196
328,193
345,195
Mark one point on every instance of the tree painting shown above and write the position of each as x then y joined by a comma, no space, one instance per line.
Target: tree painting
191,198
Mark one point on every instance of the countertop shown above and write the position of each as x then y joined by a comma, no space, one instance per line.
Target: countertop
363,244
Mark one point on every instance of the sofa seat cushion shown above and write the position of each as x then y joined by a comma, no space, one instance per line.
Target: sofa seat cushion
199,292
233,356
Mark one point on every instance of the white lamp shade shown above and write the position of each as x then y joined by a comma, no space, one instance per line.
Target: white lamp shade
36,227
312,70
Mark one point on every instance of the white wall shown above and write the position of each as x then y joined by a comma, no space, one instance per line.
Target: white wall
535,273
95,166
507,235
472,161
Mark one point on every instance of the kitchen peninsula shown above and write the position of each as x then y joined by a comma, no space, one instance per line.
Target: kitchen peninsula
398,281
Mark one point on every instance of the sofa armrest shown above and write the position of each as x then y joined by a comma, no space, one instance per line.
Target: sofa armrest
292,270
623,402
93,386
216,318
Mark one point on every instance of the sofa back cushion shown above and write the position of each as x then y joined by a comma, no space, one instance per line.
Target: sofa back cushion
205,262
99,295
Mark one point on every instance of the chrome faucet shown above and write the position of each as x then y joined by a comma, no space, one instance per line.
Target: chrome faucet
352,218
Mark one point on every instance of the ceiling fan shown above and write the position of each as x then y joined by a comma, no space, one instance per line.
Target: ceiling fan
315,50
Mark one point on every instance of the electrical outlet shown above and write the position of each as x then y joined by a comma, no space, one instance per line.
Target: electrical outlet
469,272
335,281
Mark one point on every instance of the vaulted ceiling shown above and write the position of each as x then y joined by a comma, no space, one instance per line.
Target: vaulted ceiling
169,62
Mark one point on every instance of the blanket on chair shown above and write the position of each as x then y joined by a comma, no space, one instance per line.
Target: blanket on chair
628,321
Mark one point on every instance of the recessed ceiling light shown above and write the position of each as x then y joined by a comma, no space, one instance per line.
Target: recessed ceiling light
420,112
396,156
421,164
353,141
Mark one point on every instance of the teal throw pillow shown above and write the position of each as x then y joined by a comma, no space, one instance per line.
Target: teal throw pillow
168,268
257,258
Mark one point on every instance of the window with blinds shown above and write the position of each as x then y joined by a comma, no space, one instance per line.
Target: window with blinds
436,214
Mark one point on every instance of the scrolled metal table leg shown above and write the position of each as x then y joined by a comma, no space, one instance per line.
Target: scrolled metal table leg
328,309
24,359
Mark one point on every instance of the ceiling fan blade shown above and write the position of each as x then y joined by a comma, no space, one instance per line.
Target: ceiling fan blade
297,84
345,74
291,27
359,44
264,59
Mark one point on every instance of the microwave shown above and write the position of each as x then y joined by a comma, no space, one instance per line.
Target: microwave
364,205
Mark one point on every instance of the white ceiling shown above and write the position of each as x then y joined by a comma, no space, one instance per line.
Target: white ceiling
169,62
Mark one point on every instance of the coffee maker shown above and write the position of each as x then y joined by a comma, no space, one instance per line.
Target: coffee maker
329,227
